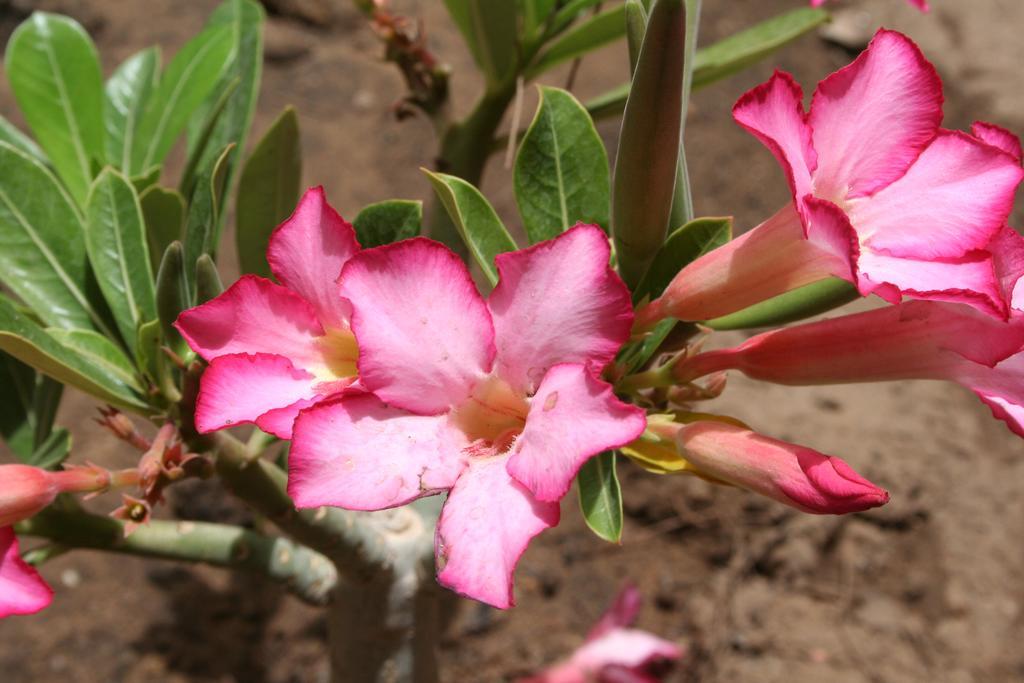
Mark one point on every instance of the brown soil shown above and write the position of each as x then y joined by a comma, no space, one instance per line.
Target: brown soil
924,589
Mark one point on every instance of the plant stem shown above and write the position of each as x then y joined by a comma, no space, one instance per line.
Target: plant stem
306,573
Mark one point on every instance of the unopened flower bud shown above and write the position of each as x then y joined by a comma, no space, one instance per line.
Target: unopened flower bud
25,490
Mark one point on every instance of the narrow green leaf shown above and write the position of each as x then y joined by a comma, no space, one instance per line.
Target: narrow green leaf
636,26
203,211
728,56
246,19
208,283
388,221
644,173
17,418
635,355
475,219
203,138
127,93
682,197
172,295
186,82
33,346
100,352
489,31
164,212
601,497
116,243
45,404
10,134
561,171
589,35
55,74
685,245
52,451
535,14
268,191
813,299
570,12
42,244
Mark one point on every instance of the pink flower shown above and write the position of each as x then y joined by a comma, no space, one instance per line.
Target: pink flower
793,475
914,340
273,348
615,653
22,590
25,490
919,4
497,402
882,196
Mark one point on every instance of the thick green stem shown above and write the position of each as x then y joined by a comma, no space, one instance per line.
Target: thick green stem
306,573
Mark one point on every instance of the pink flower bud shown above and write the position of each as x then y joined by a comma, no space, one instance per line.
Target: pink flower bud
796,476
25,490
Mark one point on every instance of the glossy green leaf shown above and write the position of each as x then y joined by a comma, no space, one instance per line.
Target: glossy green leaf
685,245
32,345
601,497
488,28
813,299
146,179
55,74
388,221
17,418
645,174
561,171
185,83
42,244
208,283
475,219
127,94
268,191
101,353
727,56
172,295
10,134
52,451
246,19
203,139
203,212
589,35
163,210
116,244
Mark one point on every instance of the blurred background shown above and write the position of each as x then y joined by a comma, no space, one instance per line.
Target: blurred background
928,588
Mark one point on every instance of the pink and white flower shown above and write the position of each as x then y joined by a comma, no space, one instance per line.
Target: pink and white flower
615,653
496,402
882,195
274,349
22,590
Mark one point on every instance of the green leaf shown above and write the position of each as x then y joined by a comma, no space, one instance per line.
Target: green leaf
146,179
388,221
127,93
208,283
535,13
561,172
589,35
116,242
100,352
45,404
645,174
570,12
727,56
749,46
10,134
32,345
186,82
55,74
172,295
635,355
636,26
246,19
164,212
203,211
601,496
52,451
475,219
42,244
268,191
488,28
195,157
685,245
813,299
17,418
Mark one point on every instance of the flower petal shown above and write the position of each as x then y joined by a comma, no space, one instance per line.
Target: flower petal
425,336
484,528
573,417
558,302
998,137
621,613
1000,387
774,113
254,316
952,200
871,119
307,252
22,590
240,388
629,649
361,454
1007,249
